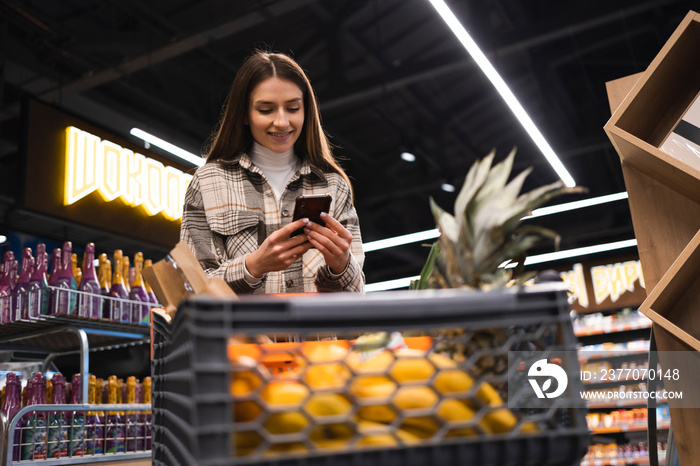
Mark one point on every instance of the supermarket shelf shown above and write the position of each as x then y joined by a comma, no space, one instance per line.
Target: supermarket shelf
644,460
603,355
621,403
637,325
637,427
46,334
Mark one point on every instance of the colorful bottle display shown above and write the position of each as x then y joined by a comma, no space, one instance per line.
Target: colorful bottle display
119,309
89,301
71,290
38,287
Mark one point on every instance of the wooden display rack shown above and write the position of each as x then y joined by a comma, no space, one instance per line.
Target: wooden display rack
664,198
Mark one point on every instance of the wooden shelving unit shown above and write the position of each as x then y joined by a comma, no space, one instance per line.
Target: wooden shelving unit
664,198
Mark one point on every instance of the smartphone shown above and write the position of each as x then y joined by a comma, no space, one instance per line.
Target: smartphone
311,206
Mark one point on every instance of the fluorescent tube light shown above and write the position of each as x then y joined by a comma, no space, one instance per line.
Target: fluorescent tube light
537,259
553,256
399,240
555,209
165,145
503,89
390,284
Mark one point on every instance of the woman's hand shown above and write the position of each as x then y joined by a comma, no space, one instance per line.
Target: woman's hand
333,241
278,251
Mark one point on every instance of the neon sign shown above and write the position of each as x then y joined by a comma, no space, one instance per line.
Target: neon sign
94,164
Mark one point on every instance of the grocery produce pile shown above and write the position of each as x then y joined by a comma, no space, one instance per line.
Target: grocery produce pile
333,395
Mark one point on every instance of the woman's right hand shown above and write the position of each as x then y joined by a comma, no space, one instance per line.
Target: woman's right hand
278,251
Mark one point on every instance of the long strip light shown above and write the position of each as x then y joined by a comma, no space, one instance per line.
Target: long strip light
165,145
555,209
503,89
541,212
399,240
531,260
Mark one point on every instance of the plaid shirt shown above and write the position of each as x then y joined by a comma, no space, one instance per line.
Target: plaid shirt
230,209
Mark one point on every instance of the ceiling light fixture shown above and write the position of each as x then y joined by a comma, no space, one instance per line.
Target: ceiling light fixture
541,212
166,146
447,187
408,157
400,240
555,209
531,260
3,238
503,89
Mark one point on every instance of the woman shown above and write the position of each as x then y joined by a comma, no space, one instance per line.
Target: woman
270,148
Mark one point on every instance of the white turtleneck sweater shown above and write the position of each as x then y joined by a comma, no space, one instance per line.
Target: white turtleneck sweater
278,168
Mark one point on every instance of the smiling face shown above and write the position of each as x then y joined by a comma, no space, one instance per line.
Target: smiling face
276,114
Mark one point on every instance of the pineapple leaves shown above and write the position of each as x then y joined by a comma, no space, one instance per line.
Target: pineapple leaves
486,231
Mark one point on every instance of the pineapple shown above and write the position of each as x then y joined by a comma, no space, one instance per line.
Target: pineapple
486,230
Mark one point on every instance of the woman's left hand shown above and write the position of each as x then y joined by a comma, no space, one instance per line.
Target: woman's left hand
333,241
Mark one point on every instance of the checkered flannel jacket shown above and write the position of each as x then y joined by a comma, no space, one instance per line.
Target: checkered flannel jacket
230,209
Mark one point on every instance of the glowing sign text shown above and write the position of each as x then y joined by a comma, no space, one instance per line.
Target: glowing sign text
115,172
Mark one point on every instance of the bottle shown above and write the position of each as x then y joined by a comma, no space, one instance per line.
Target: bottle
94,421
38,287
139,293
89,301
152,298
7,282
76,421
126,272
20,290
77,271
140,430
147,414
114,428
119,309
55,266
132,417
34,423
65,300
11,403
57,425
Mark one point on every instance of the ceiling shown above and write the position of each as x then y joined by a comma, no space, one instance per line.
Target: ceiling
389,77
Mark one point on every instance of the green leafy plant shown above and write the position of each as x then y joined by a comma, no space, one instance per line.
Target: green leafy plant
486,230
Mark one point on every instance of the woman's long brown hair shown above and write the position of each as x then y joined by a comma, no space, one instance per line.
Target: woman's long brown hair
233,136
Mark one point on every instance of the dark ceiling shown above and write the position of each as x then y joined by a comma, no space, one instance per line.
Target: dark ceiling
389,76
